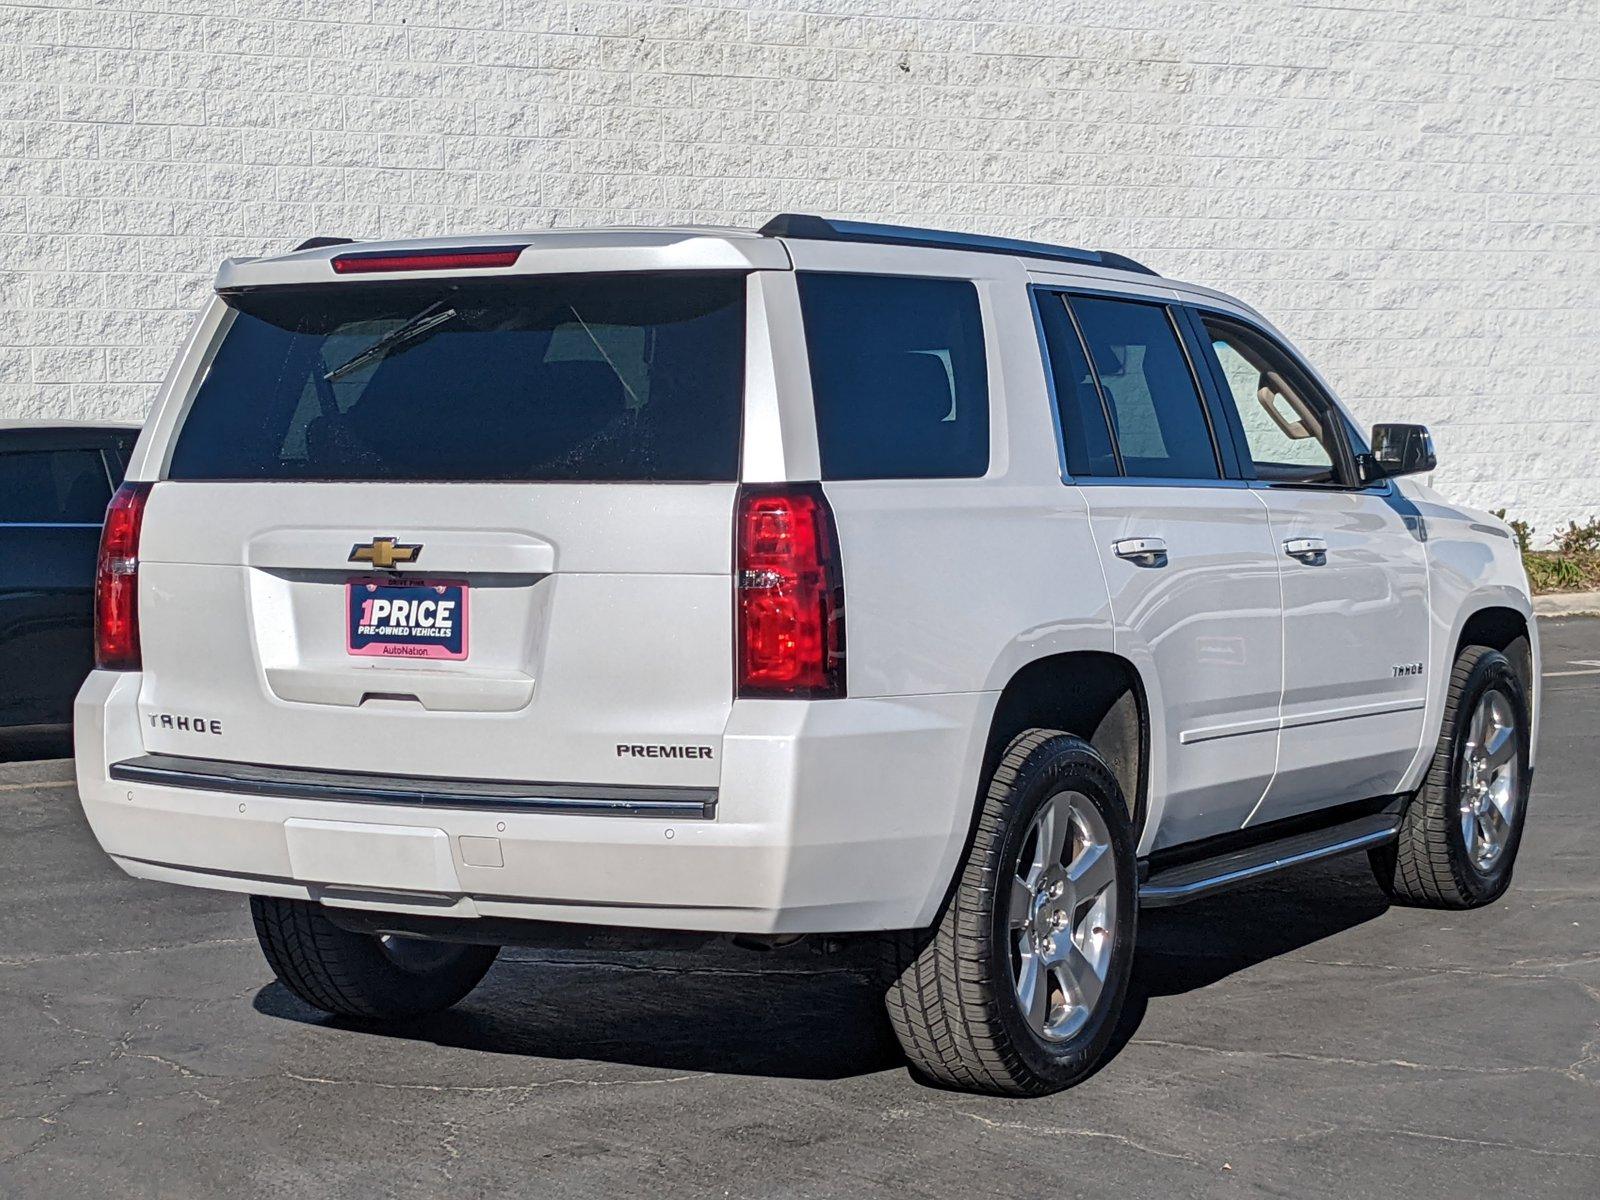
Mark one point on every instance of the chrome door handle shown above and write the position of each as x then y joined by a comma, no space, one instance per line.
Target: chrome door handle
1313,550
1142,551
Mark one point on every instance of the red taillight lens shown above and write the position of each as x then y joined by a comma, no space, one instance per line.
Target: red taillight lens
426,260
116,581
790,594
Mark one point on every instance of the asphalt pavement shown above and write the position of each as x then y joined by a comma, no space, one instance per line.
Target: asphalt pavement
1300,1038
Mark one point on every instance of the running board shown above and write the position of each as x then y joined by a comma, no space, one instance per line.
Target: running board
1191,880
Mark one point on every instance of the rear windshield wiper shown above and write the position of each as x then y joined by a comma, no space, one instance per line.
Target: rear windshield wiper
428,319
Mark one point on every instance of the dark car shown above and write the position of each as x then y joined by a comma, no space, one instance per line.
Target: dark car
55,480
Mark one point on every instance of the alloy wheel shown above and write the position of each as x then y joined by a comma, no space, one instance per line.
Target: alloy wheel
1490,793
1062,915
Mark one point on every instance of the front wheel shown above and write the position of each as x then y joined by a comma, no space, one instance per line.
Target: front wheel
367,976
1016,991
1460,833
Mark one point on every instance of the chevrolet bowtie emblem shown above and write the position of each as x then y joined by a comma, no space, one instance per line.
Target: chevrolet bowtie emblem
384,552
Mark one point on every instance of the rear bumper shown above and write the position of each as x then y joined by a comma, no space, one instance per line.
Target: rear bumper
832,816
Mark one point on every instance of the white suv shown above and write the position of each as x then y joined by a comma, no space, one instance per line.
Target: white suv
829,578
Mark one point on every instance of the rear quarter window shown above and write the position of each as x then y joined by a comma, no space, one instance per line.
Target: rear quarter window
626,378
898,375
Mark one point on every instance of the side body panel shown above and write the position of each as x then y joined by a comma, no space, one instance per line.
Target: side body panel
1203,628
953,585
1473,565
1356,644
1419,562
1207,625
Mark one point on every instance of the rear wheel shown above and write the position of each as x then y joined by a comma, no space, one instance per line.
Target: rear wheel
367,976
1460,833
1017,989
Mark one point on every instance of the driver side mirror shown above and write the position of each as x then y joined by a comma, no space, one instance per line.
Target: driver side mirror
1398,450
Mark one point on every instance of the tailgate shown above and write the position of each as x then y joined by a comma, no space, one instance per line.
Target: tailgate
597,647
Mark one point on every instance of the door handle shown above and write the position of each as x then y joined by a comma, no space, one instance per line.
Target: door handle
1141,551
1313,550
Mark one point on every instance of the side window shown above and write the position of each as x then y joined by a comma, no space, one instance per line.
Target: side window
898,375
53,487
1082,416
1157,416
1289,429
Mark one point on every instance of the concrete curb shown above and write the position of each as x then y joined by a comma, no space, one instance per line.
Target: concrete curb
1567,604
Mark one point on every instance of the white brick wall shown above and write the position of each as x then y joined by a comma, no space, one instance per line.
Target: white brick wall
1408,187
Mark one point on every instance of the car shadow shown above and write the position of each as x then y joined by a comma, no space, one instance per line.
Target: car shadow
792,1013
1192,946
801,1014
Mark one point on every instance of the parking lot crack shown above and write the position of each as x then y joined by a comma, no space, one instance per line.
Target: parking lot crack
50,1119
506,1089
1518,1147
32,960
1335,1060
1071,1131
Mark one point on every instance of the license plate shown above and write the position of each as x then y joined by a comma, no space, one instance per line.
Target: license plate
425,619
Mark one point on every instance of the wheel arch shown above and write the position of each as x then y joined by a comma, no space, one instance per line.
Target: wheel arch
1094,694
1503,620
1503,629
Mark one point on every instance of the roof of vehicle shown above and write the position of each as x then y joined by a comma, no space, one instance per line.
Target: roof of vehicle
658,248
56,424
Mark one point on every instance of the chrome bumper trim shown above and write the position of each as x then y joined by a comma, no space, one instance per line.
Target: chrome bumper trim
417,791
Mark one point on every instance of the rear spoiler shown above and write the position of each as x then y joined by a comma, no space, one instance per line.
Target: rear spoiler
555,253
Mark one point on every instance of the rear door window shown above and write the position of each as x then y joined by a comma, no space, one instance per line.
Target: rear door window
627,378
53,487
1080,412
898,375
1158,418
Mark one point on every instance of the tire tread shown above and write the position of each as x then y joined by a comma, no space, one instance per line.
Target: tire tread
1424,867
340,972
941,999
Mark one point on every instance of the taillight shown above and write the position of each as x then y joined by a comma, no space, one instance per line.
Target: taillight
468,257
116,581
791,594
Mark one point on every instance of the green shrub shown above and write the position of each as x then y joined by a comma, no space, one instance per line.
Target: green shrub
1573,564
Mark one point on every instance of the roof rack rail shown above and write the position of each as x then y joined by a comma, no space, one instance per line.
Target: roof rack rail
824,229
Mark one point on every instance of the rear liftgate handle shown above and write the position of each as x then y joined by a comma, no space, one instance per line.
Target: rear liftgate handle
1141,551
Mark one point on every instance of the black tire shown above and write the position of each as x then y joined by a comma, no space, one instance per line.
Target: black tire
952,994
361,975
1429,865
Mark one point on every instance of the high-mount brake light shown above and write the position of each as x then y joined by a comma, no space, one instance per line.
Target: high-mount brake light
790,592
464,258
116,581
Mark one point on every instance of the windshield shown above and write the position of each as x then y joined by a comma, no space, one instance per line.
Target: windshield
598,377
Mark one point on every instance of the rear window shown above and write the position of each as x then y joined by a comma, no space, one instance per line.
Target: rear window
625,378
898,376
